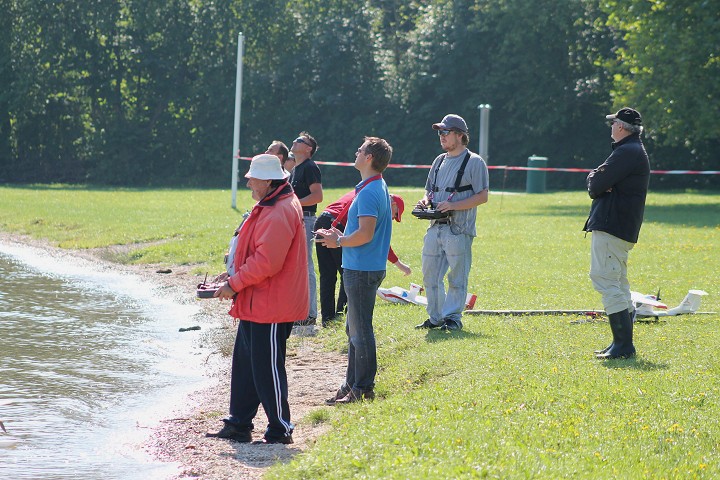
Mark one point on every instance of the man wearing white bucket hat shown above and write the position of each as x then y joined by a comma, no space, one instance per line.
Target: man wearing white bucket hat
270,255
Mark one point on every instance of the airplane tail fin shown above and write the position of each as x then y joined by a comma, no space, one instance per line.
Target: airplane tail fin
690,304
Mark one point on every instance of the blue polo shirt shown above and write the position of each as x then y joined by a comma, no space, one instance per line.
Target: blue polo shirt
372,201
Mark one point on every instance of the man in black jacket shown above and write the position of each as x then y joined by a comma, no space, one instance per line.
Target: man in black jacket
618,188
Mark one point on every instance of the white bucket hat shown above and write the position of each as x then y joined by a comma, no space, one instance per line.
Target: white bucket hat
266,167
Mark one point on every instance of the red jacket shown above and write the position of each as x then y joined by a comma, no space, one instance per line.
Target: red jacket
271,277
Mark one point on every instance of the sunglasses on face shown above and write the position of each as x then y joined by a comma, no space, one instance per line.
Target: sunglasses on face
442,133
303,141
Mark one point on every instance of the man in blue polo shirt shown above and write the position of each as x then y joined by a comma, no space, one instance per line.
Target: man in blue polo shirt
365,244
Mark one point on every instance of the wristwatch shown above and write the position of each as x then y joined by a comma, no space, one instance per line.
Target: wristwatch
337,241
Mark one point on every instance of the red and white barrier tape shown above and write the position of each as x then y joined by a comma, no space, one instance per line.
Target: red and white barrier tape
587,170
539,169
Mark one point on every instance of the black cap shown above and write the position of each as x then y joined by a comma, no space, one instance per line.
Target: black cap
627,115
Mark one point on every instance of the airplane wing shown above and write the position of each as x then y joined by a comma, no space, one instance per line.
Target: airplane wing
400,295
393,295
640,299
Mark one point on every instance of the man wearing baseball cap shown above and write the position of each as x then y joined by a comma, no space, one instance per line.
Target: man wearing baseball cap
447,246
271,255
618,188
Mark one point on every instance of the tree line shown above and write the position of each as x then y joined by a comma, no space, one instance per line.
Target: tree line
141,93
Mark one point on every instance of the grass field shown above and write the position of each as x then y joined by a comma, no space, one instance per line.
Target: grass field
508,397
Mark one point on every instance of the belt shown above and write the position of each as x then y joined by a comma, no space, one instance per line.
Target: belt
442,221
308,214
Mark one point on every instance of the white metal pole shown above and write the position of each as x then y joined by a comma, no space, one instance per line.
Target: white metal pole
484,127
236,129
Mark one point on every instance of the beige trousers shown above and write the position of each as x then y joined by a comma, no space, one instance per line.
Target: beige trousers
608,271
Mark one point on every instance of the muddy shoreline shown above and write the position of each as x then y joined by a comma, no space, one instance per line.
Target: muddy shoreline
179,438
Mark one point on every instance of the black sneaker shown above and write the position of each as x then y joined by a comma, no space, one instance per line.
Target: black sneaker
356,396
326,322
428,324
232,431
451,325
342,391
286,440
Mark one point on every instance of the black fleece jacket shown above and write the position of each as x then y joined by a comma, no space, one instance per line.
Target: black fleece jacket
618,188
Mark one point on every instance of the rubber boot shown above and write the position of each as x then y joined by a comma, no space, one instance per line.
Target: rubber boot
604,350
622,328
598,352
633,317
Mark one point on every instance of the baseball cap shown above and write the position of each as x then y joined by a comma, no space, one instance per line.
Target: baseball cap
451,122
400,205
627,115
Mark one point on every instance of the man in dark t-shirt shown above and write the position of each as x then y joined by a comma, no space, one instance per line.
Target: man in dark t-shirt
306,180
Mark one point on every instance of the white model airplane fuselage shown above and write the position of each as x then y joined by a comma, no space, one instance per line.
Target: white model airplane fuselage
401,295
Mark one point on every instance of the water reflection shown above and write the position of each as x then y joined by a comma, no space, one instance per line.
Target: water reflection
86,354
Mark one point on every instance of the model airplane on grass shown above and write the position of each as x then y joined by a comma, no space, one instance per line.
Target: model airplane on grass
401,295
644,305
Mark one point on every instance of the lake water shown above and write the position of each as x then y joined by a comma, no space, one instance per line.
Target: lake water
90,359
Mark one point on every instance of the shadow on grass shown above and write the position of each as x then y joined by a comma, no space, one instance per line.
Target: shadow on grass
694,215
434,336
260,456
634,364
689,214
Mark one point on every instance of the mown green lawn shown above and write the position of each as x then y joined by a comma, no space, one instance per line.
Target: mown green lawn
508,397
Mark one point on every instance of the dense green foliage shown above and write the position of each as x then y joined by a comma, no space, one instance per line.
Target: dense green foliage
140,93
508,397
